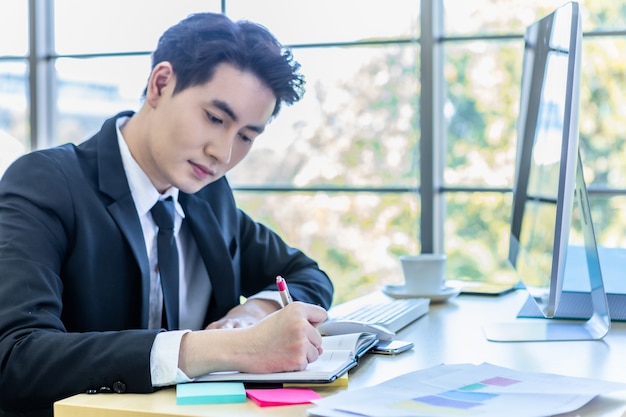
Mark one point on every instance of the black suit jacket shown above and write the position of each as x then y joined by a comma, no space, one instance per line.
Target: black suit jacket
74,273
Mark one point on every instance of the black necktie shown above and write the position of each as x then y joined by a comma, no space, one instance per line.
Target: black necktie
167,253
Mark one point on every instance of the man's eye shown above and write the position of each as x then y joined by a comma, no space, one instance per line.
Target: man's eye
245,138
213,119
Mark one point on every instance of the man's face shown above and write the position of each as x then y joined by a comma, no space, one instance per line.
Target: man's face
199,134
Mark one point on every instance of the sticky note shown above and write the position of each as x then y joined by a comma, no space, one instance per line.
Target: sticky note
282,396
210,393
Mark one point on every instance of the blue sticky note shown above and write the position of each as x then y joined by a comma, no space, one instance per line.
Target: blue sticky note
210,393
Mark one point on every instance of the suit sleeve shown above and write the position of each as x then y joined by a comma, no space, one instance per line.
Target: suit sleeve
264,255
40,359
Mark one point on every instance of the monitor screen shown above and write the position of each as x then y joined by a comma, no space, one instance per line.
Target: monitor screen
549,191
547,154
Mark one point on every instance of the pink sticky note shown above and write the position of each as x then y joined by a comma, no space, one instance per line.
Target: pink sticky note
282,396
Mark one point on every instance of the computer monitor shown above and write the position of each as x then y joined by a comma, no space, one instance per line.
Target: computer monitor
549,191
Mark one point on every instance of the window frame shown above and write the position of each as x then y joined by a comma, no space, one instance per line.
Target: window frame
431,190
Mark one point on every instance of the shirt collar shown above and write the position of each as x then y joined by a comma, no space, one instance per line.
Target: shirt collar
143,191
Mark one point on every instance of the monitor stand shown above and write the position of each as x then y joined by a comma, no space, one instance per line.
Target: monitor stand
550,329
546,329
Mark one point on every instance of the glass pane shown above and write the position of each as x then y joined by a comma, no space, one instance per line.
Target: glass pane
481,107
609,219
462,17
609,222
14,126
602,111
477,237
357,123
322,21
603,15
14,26
119,25
355,238
92,90
504,17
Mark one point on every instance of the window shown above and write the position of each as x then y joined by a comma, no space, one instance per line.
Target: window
13,81
339,174
482,72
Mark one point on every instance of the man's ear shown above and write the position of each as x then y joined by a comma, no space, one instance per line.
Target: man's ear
162,80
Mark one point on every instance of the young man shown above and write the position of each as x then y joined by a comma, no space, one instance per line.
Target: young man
81,301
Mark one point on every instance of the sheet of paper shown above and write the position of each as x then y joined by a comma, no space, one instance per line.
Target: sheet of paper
451,390
282,396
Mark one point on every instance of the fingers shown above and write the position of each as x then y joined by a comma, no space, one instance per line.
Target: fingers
313,353
312,313
318,315
309,352
287,339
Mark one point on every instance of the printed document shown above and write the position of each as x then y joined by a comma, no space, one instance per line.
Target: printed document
467,390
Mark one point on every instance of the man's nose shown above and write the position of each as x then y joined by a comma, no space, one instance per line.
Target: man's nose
222,149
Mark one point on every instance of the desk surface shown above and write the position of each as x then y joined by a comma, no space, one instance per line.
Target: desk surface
451,333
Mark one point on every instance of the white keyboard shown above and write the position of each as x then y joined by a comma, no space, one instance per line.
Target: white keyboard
376,311
394,315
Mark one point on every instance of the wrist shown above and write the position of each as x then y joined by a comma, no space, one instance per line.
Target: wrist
205,351
261,307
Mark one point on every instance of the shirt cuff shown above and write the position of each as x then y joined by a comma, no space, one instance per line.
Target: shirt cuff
268,295
164,359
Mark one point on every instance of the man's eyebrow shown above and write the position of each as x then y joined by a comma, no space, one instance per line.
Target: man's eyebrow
223,106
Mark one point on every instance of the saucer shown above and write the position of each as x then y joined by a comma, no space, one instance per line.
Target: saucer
398,291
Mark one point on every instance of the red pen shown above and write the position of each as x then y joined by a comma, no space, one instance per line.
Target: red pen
283,290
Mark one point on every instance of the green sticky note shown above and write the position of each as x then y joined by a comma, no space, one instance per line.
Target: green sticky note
210,393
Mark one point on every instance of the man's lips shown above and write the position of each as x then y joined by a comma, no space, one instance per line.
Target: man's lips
201,171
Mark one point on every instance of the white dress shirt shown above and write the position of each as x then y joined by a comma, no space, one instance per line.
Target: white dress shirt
194,285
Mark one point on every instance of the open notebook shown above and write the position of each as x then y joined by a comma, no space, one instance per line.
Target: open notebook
341,353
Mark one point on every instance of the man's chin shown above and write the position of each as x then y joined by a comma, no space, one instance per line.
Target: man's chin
196,186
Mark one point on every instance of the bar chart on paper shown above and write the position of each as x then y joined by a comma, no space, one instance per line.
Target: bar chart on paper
463,398
467,390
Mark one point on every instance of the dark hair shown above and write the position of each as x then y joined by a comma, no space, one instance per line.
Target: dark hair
198,43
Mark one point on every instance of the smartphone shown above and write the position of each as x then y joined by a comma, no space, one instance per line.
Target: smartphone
391,347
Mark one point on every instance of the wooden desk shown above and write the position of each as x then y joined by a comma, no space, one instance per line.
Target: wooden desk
451,333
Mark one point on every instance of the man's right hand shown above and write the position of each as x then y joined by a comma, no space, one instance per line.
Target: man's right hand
286,340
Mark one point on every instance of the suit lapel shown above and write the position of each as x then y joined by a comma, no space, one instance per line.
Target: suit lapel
113,182
209,237
203,224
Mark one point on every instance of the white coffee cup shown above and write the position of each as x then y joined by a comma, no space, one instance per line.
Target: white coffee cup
424,273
